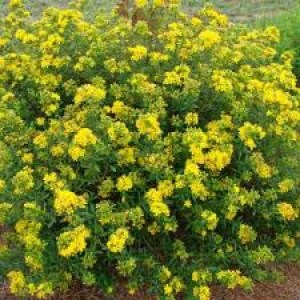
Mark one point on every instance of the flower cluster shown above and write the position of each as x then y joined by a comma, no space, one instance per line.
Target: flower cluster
247,133
163,148
67,202
287,211
117,240
72,242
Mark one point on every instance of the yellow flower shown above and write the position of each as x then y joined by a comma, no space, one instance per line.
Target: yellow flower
215,17
197,154
41,141
287,211
261,167
23,181
24,36
276,96
89,92
199,190
3,41
57,150
2,185
262,255
106,187
117,241
231,213
289,241
246,234
124,183
15,3
210,218
168,290
157,57
165,188
159,208
52,181
248,132
202,293
217,160
40,121
111,65
159,3
191,168
119,108
138,52
209,38
27,158
141,3
196,22
187,203
17,282
135,125
25,227
286,185
126,156
272,33
33,263
67,202
195,276
221,82
40,291
172,78
155,200
73,242
119,133
191,119
178,76
76,152
85,137
165,274
149,126
233,278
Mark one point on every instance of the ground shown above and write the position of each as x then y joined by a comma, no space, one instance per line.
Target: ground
288,289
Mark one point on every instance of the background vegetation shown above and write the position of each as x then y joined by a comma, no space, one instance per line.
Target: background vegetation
238,10
288,23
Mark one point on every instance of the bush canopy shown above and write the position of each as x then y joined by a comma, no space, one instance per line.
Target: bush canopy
163,151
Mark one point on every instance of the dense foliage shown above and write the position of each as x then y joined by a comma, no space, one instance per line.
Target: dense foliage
165,151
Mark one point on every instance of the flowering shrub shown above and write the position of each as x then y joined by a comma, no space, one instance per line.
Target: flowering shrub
164,151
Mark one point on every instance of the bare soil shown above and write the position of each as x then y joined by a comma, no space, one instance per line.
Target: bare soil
288,289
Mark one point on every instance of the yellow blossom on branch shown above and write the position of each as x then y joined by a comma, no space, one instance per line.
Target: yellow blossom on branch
67,202
73,242
117,241
287,211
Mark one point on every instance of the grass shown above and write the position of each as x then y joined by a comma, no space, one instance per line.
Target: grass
238,10
36,6
246,10
289,25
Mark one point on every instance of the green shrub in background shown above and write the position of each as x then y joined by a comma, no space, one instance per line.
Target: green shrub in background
163,151
289,25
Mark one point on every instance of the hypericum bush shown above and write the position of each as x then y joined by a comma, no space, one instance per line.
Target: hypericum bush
164,152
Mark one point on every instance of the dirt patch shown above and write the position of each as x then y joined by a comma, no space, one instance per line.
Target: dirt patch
289,289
